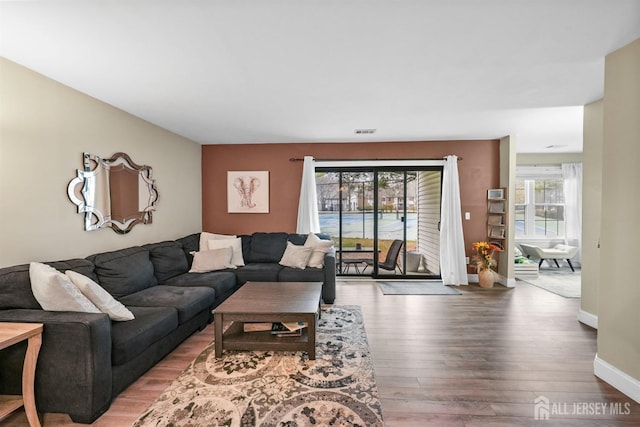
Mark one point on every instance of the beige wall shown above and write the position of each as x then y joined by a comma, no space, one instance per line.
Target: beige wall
44,129
619,293
591,205
531,159
507,180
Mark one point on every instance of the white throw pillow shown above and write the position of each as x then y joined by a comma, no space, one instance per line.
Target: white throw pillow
234,244
217,259
296,256
320,248
205,237
100,298
55,291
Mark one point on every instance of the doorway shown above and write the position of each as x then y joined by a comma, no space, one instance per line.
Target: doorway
384,221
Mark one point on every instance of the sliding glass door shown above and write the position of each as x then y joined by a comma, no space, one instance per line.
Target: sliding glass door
384,221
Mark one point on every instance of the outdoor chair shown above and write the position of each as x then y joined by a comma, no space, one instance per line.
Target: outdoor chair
391,261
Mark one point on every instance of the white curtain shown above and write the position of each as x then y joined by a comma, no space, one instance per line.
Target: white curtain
572,186
453,268
308,220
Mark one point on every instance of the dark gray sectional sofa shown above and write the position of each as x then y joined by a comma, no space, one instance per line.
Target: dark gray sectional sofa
86,359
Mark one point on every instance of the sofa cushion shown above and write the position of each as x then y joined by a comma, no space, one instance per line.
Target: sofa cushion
168,259
190,243
15,286
129,339
213,260
236,247
101,298
259,272
309,274
320,248
223,282
79,265
246,246
56,292
189,301
206,236
296,256
267,247
125,271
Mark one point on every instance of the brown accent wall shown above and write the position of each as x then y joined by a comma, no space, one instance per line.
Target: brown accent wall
478,171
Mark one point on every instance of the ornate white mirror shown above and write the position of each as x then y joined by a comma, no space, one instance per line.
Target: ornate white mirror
113,192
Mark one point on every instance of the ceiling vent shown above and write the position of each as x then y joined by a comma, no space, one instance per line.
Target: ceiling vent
365,131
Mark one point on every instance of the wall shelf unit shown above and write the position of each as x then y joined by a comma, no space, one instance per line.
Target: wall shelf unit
496,216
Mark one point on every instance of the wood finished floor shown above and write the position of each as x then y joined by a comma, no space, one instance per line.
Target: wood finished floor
476,359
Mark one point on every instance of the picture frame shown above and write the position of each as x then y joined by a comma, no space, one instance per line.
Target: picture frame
495,194
496,206
494,220
496,233
248,191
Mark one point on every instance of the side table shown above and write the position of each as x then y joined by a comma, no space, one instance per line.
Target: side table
10,334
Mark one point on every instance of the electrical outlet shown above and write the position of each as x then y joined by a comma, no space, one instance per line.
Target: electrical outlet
467,216
466,260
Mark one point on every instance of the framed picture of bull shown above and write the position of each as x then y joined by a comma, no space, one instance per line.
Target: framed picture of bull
248,191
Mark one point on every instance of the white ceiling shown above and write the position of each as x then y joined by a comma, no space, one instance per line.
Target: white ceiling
260,71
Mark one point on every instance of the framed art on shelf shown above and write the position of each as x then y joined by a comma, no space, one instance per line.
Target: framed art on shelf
495,194
496,233
496,206
495,220
248,191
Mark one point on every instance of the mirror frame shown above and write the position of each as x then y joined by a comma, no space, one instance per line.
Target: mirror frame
90,191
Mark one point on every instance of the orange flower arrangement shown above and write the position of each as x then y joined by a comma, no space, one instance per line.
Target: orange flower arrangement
484,255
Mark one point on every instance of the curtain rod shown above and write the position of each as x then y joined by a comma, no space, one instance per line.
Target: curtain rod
297,159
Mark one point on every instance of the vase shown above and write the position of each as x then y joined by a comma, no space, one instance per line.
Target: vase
486,278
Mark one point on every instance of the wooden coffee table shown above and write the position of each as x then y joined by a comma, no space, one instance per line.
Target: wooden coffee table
269,302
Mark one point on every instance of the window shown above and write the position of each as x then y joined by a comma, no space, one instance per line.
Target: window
539,203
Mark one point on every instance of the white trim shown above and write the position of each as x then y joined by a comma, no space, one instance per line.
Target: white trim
511,283
367,163
528,172
618,379
588,319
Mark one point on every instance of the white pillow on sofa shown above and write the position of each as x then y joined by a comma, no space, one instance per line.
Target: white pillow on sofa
99,297
205,237
55,291
216,259
296,256
320,248
236,246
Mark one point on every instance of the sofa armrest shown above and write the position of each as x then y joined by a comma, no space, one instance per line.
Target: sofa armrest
73,372
329,288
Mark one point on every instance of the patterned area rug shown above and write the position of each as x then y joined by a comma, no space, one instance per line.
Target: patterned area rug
253,388
416,288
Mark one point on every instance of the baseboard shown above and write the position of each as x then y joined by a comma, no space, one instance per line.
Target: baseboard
473,278
509,283
616,378
588,319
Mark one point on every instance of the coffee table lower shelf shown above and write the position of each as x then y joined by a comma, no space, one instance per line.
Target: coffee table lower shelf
268,302
236,339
